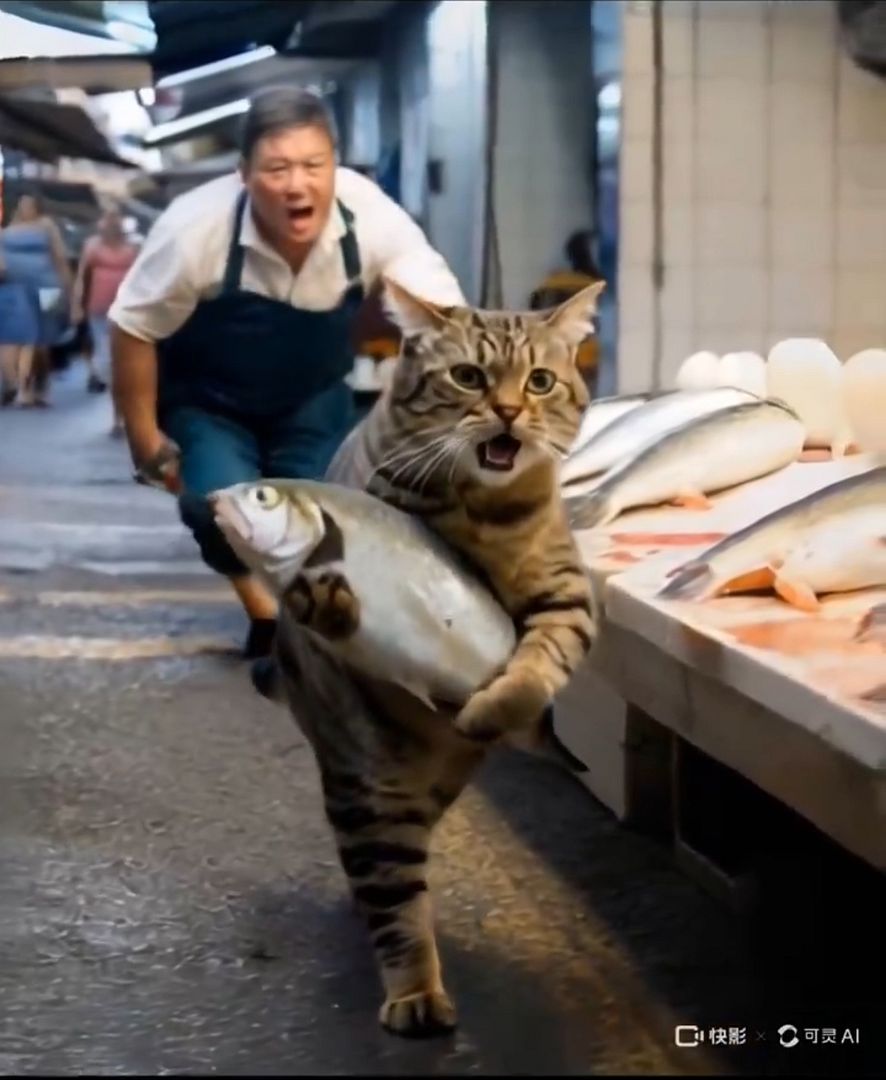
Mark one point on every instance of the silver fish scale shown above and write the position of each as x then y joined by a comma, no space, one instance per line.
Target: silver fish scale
423,614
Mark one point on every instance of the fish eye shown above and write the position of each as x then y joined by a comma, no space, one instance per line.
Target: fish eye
468,376
541,381
266,497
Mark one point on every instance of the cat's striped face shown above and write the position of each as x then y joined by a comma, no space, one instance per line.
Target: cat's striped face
500,391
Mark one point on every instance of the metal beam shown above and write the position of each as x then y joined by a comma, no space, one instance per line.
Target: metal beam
93,74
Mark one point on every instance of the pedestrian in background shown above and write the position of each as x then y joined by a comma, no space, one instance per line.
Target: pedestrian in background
32,252
104,263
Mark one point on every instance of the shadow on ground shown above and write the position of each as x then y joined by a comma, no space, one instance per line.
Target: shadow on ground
811,955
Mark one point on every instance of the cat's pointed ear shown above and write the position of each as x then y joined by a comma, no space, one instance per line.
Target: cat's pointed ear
412,314
573,319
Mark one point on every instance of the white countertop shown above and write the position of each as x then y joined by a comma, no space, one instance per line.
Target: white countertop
805,668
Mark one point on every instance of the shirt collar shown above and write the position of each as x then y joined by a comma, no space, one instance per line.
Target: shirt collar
328,240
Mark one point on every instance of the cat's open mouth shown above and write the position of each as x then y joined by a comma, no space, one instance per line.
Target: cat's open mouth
498,453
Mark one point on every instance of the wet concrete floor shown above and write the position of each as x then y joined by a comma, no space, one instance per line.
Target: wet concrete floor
170,900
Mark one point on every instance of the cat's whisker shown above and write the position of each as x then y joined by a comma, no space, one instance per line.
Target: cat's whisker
456,458
451,449
421,463
405,469
407,443
410,450
428,471
417,459
546,440
410,454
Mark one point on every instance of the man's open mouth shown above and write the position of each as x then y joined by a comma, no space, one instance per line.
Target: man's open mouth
499,453
299,213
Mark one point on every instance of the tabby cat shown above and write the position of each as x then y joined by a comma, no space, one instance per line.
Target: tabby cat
481,408
483,405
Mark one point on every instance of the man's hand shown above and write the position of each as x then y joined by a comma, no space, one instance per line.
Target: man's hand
157,461
134,377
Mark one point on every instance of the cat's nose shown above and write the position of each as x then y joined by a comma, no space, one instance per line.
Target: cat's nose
508,413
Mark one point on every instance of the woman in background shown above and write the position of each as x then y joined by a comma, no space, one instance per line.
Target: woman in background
19,329
104,262
33,254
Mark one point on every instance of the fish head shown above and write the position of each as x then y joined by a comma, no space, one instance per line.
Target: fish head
272,528
488,395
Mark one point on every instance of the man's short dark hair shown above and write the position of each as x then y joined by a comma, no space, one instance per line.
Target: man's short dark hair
279,107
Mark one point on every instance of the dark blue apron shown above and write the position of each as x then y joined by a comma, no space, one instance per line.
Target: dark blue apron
251,357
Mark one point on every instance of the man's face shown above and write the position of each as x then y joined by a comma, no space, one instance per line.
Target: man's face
290,176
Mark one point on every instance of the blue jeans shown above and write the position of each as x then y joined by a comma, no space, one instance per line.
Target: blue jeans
218,451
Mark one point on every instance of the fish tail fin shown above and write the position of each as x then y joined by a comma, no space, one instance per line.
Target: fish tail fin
796,593
590,510
688,582
873,626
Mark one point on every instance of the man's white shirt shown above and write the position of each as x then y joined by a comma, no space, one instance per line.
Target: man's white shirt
183,258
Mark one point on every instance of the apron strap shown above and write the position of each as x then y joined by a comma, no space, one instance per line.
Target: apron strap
234,264
350,251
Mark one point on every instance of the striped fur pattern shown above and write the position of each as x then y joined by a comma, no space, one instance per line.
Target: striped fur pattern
389,769
389,766
482,408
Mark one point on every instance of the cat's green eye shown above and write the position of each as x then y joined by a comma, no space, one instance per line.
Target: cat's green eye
468,377
541,381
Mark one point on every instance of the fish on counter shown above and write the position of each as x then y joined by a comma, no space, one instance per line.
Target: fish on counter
707,454
840,555
647,423
833,540
603,411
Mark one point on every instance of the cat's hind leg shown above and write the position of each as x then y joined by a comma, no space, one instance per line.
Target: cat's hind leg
384,854
389,769
383,829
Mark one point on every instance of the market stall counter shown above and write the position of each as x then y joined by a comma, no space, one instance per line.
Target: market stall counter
794,701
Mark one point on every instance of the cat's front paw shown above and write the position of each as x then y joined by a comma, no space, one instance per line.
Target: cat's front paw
511,702
325,603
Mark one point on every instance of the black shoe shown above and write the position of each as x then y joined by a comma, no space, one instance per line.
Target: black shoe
8,396
95,385
260,638
263,673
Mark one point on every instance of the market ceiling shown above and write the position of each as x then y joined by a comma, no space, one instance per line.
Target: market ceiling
48,130
177,35
173,41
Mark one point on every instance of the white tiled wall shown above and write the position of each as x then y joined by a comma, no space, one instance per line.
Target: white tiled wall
774,183
542,171
361,109
456,32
